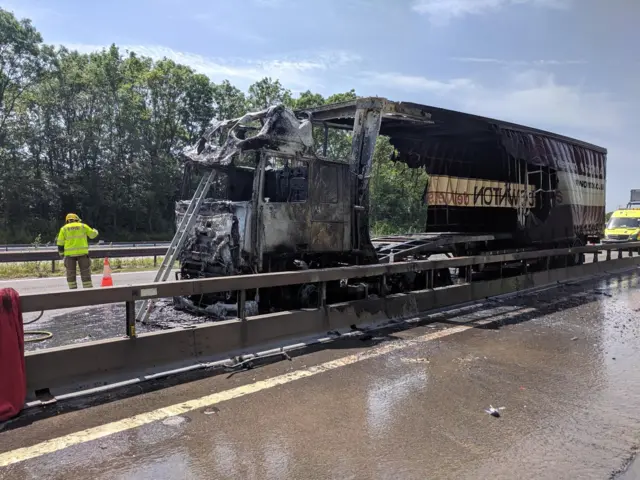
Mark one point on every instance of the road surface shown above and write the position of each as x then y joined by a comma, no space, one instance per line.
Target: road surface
409,405
53,284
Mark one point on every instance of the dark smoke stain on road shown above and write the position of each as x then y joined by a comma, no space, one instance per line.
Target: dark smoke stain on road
107,321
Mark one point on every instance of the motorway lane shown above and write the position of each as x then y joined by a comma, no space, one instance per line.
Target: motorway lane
53,284
405,406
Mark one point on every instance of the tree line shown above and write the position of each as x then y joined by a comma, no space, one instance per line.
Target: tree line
100,134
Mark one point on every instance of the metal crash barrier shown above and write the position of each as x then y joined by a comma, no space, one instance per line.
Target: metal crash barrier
43,255
68,369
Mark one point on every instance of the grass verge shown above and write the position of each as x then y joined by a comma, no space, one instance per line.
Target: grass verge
56,268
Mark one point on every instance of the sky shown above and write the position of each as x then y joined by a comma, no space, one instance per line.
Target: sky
568,66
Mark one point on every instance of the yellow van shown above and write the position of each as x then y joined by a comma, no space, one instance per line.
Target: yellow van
623,226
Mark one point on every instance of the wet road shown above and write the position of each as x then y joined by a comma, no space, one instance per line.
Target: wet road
410,405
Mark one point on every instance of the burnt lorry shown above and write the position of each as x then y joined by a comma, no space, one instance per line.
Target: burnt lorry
279,203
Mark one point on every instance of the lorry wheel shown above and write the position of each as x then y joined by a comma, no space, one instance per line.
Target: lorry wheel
308,296
443,278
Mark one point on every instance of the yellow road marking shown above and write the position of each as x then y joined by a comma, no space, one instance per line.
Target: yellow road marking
56,444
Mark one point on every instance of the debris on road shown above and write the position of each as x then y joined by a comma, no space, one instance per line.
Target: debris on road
415,360
494,412
601,292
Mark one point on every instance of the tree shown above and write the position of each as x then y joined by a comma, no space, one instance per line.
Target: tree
229,101
268,92
396,194
308,99
22,62
101,134
342,97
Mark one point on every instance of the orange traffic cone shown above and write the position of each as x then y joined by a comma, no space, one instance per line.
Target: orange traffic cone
107,281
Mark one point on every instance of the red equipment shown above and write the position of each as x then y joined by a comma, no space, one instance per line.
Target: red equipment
13,377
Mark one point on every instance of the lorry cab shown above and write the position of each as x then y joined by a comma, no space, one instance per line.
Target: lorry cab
624,225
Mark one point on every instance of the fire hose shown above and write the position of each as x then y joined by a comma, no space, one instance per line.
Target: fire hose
43,334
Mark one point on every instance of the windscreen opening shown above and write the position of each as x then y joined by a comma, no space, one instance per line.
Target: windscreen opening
623,222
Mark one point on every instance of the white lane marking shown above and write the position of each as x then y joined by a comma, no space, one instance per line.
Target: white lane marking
66,441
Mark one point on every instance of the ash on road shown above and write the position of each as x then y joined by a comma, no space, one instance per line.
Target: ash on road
564,367
77,325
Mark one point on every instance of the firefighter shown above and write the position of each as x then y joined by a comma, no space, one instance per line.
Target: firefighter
74,247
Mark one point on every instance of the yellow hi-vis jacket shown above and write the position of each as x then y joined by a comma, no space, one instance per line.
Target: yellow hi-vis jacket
73,237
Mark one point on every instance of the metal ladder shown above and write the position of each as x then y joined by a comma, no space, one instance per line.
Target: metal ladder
188,220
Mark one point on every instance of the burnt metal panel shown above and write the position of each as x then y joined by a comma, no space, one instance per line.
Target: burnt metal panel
366,128
327,236
225,140
330,206
407,119
325,182
328,191
285,227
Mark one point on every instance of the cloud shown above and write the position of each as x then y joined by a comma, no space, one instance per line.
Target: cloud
292,72
536,63
414,83
441,11
531,97
35,13
212,23
538,98
269,3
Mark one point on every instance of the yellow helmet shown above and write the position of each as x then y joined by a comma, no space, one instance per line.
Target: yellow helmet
72,217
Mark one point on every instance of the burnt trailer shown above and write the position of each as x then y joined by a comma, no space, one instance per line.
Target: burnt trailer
491,176
279,203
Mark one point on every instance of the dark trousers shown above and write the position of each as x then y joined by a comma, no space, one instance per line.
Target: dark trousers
84,262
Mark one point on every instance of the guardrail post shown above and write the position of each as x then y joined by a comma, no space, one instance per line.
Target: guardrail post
242,315
53,266
242,305
322,303
631,252
155,260
322,295
130,308
619,253
468,272
383,286
430,282
608,255
596,256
